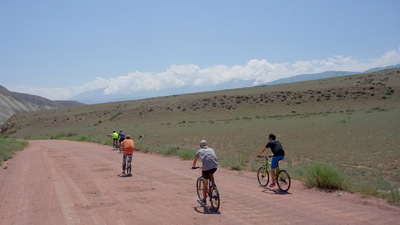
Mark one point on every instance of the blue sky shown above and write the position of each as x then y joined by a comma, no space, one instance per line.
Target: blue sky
57,49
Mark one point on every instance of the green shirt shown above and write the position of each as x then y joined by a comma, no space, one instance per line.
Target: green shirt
115,135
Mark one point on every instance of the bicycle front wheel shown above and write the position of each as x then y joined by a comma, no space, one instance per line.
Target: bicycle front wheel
283,180
214,197
263,176
199,187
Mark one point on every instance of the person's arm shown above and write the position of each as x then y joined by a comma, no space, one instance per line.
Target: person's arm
195,161
262,150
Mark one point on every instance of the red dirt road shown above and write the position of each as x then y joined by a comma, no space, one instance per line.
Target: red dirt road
63,182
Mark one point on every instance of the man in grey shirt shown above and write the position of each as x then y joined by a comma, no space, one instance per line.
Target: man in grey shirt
209,165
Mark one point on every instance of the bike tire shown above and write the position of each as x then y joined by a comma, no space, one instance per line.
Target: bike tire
214,197
283,180
128,165
199,187
263,176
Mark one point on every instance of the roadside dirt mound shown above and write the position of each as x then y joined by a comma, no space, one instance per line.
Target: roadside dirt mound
63,182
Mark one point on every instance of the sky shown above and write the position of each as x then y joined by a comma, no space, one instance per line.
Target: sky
58,49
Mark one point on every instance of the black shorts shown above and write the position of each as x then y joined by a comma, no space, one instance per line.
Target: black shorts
127,156
206,174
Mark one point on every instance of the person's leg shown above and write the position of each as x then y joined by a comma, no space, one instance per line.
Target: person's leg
205,188
274,165
129,165
123,163
272,176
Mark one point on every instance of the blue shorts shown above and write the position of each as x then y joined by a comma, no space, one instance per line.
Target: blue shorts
275,160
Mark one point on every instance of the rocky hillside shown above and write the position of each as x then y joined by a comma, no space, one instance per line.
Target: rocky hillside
12,103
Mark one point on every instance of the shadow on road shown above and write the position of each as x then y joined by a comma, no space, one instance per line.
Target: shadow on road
276,191
206,210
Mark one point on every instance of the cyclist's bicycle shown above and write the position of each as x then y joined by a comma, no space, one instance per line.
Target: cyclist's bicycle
213,194
282,178
115,145
128,167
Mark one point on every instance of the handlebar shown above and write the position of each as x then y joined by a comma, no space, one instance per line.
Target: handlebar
266,156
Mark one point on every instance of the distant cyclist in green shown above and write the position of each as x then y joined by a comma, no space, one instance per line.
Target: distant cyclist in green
115,138
277,152
209,165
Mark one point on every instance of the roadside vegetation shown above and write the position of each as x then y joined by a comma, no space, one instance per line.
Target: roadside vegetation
8,146
328,177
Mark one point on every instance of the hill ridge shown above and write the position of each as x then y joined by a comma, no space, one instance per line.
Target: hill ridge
15,102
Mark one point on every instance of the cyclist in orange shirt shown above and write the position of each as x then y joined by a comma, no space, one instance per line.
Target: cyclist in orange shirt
128,146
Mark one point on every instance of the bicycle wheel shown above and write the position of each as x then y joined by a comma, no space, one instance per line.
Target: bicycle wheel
214,197
283,180
263,176
199,187
128,165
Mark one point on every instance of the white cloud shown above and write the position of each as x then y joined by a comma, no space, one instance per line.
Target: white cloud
175,76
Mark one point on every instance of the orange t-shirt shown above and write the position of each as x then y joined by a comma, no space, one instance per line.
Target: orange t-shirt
129,146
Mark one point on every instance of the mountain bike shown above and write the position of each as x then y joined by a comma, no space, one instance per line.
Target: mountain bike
282,178
213,194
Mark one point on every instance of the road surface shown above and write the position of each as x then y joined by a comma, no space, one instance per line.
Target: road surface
64,182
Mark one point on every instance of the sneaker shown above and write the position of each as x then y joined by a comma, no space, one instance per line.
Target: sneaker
272,185
203,201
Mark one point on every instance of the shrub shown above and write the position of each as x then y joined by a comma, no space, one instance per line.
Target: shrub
323,175
8,146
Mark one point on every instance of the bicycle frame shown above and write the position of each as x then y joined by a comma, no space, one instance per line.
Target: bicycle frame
268,164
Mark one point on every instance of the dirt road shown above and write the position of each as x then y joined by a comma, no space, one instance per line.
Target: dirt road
63,182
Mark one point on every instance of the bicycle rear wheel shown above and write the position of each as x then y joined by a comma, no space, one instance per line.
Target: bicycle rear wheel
214,197
199,187
263,176
283,180
128,165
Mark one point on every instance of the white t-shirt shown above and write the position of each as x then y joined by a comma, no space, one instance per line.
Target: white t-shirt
208,157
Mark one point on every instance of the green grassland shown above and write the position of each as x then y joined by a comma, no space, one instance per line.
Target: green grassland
351,123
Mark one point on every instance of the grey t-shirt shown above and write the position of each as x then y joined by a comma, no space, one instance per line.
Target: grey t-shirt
208,158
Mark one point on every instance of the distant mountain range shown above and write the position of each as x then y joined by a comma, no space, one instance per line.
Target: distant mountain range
327,74
98,96
13,102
